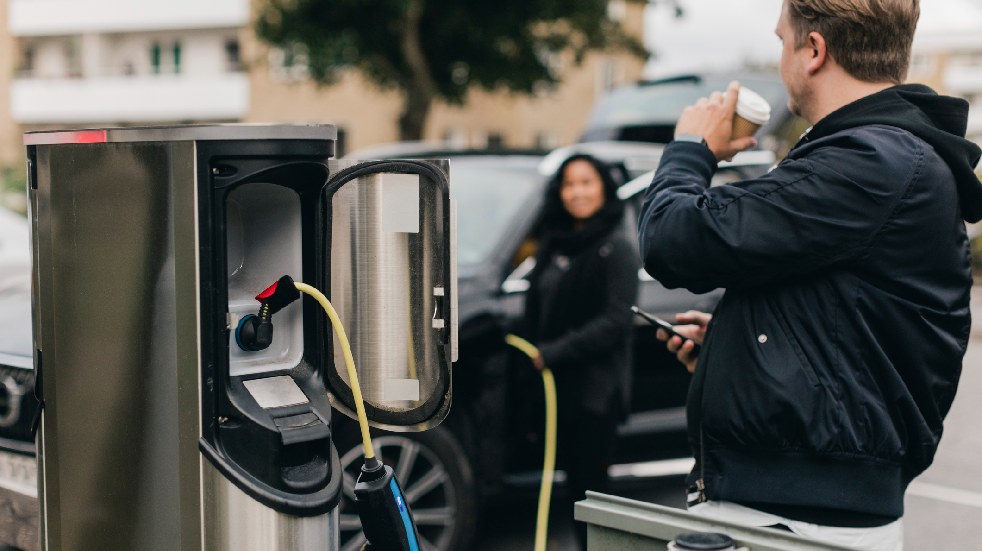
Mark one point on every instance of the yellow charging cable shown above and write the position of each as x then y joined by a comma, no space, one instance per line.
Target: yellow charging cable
349,361
549,463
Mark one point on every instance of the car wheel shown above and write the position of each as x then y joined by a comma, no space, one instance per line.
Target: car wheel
436,481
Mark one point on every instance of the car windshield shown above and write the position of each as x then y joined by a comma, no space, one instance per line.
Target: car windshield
664,101
489,191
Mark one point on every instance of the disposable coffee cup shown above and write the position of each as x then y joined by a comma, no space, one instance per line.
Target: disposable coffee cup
705,541
752,112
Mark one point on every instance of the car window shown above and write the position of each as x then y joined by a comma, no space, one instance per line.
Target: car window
489,195
15,291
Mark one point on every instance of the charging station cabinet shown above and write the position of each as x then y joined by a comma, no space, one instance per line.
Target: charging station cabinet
158,430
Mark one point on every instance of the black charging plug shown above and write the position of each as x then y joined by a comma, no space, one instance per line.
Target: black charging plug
255,332
385,515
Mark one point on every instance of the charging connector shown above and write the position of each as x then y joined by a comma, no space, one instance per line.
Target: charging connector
385,516
255,331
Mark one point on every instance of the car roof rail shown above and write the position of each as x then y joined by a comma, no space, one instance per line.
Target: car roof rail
694,78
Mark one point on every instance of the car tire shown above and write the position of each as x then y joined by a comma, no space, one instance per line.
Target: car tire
436,480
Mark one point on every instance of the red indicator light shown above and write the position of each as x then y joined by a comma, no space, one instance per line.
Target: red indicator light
66,136
88,136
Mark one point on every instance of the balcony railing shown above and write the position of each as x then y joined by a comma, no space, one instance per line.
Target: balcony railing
134,99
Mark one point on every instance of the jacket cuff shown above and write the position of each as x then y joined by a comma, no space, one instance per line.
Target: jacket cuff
695,155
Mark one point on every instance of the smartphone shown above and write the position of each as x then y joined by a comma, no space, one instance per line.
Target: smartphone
665,326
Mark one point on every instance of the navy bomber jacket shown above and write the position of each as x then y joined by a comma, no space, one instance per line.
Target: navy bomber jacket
835,352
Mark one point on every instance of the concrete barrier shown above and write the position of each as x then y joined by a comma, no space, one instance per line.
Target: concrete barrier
621,524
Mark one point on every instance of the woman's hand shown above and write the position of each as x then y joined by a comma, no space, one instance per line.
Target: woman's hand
692,324
538,362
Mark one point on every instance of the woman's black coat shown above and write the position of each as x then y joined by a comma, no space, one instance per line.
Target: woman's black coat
582,322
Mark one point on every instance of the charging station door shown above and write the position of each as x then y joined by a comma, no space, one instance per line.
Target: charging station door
392,278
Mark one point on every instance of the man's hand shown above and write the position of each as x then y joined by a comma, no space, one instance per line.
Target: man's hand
693,326
712,118
538,362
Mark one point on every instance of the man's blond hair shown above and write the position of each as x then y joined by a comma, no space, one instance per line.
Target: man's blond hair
870,39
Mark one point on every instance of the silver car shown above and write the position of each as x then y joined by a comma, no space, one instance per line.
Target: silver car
18,473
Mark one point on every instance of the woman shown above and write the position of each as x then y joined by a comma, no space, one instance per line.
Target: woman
578,314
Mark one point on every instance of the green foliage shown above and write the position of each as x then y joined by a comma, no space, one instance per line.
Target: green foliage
503,44
13,188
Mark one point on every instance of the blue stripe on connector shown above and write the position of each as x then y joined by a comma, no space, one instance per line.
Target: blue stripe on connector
404,512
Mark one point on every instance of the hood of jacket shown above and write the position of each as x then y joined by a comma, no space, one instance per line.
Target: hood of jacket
940,121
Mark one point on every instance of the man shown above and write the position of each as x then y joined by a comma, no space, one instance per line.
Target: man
833,357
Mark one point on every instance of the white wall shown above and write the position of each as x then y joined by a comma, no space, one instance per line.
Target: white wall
156,98
60,17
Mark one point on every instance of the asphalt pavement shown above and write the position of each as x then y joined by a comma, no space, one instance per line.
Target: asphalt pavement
943,505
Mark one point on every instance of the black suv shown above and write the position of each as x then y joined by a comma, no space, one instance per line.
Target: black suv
646,111
490,445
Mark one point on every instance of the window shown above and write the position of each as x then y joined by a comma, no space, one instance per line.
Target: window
155,58
289,64
606,76
27,59
233,59
177,57
495,140
455,138
546,140
922,64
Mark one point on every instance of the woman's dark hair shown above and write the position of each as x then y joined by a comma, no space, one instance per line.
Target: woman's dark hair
555,217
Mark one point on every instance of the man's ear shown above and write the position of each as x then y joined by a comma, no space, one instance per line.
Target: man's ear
819,52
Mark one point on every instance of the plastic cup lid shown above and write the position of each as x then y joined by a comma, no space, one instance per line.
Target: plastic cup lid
751,106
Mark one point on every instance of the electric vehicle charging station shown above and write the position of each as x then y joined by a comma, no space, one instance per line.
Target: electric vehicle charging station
183,407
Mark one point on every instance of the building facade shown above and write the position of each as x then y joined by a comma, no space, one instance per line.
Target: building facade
85,63
950,61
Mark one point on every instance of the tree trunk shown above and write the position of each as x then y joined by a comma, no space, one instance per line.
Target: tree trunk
419,90
415,109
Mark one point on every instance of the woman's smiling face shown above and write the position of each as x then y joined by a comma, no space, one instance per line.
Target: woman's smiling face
582,190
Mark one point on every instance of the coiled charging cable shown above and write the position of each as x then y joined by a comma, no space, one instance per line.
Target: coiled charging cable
549,462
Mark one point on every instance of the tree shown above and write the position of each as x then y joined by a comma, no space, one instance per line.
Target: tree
439,49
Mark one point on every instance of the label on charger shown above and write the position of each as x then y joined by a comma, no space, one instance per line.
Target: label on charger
400,203
400,389
275,392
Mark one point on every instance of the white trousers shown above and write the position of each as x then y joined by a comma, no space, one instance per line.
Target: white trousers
889,537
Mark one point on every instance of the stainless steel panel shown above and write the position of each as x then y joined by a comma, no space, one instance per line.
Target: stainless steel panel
235,522
118,321
186,133
384,285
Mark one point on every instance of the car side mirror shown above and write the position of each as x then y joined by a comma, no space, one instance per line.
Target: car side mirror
517,281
